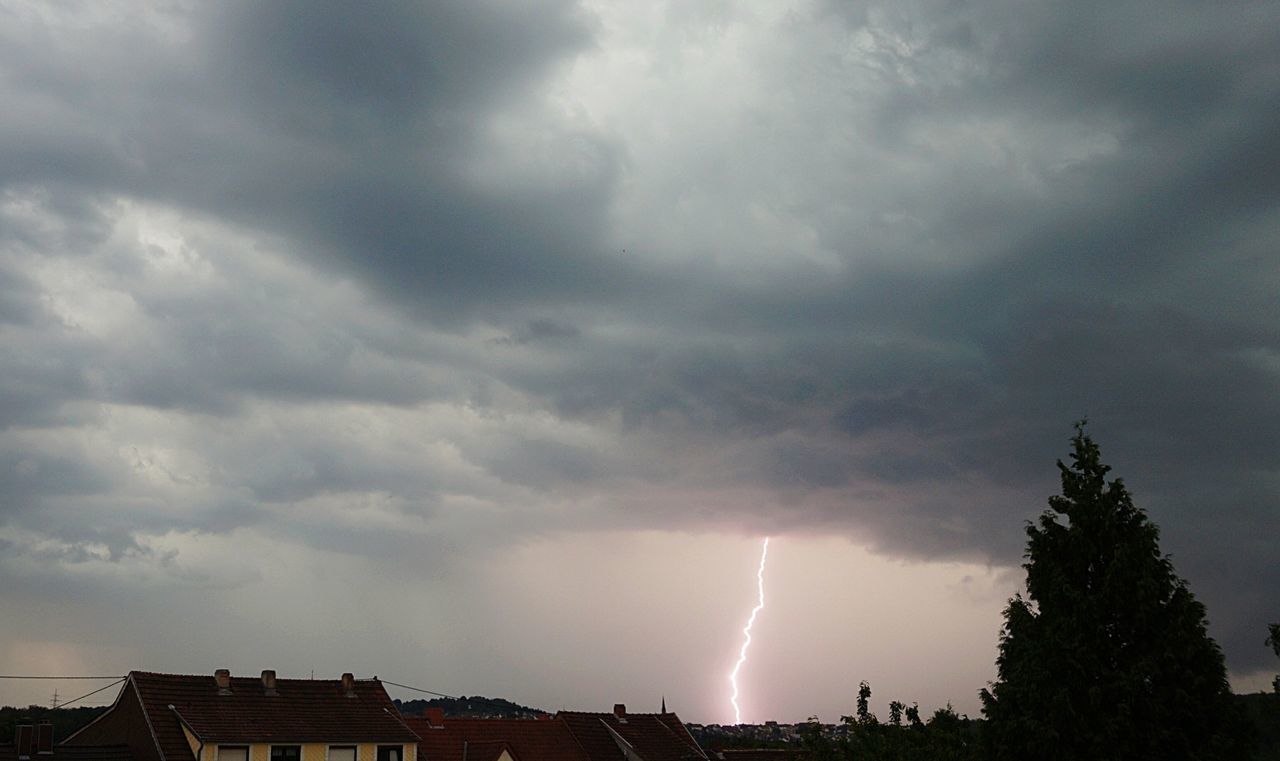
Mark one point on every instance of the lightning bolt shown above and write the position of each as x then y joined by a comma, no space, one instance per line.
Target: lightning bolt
746,633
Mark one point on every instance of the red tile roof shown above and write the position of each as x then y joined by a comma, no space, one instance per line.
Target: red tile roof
485,739
653,736
303,710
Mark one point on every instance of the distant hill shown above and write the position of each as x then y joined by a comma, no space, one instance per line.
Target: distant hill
475,707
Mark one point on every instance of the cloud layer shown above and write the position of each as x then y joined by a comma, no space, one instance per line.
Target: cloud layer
417,284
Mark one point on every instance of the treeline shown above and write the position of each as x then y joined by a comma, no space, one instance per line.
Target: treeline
1261,712
65,720
474,706
945,736
948,736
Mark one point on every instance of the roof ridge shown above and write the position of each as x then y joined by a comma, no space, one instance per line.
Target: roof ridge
627,715
157,676
671,730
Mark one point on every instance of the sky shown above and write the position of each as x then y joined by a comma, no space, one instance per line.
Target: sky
477,345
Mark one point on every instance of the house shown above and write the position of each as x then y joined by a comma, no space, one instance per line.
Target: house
467,739
182,717
622,736
35,742
567,736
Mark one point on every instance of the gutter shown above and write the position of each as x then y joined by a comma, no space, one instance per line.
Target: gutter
191,729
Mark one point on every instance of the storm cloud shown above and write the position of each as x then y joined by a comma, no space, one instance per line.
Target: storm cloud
423,284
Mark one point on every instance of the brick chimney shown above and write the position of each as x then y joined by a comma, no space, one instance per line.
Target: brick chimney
435,716
222,677
44,738
620,710
349,684
269,682
24,739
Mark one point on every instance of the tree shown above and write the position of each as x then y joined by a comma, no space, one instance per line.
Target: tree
1274,641
1108,655
895,712
865,716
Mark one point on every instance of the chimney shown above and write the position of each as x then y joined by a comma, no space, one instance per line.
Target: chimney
269,682
620,710
44,738
349,684
435,716
223,679
24,738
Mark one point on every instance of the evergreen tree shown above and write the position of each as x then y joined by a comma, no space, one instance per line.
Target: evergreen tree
1107,656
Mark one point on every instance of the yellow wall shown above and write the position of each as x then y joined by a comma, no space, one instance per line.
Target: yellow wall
192,741
310,751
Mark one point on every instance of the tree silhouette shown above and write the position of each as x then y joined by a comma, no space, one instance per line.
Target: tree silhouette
1107,656
1274,641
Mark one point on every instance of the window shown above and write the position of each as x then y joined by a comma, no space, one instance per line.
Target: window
390,753
342,753
233,753
285,753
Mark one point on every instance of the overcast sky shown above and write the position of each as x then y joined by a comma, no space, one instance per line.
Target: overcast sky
477,345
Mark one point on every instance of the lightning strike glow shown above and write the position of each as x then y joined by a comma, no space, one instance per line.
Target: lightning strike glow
746,633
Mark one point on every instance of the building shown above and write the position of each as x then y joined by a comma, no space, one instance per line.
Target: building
567,736
35,742
622,736
180,717
466,739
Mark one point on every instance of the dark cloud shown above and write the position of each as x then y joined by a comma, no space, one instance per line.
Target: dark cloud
538,331
872,271
349,131
31,477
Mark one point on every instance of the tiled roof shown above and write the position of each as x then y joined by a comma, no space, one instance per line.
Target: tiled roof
484,740
303,710
653,736
489,751
73,753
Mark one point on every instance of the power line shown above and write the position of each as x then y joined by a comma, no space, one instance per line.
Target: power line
419,689
11,676
95,692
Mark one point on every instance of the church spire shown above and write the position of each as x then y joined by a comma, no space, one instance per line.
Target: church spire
664,703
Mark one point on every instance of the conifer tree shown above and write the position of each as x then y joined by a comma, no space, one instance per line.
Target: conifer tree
1107,656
